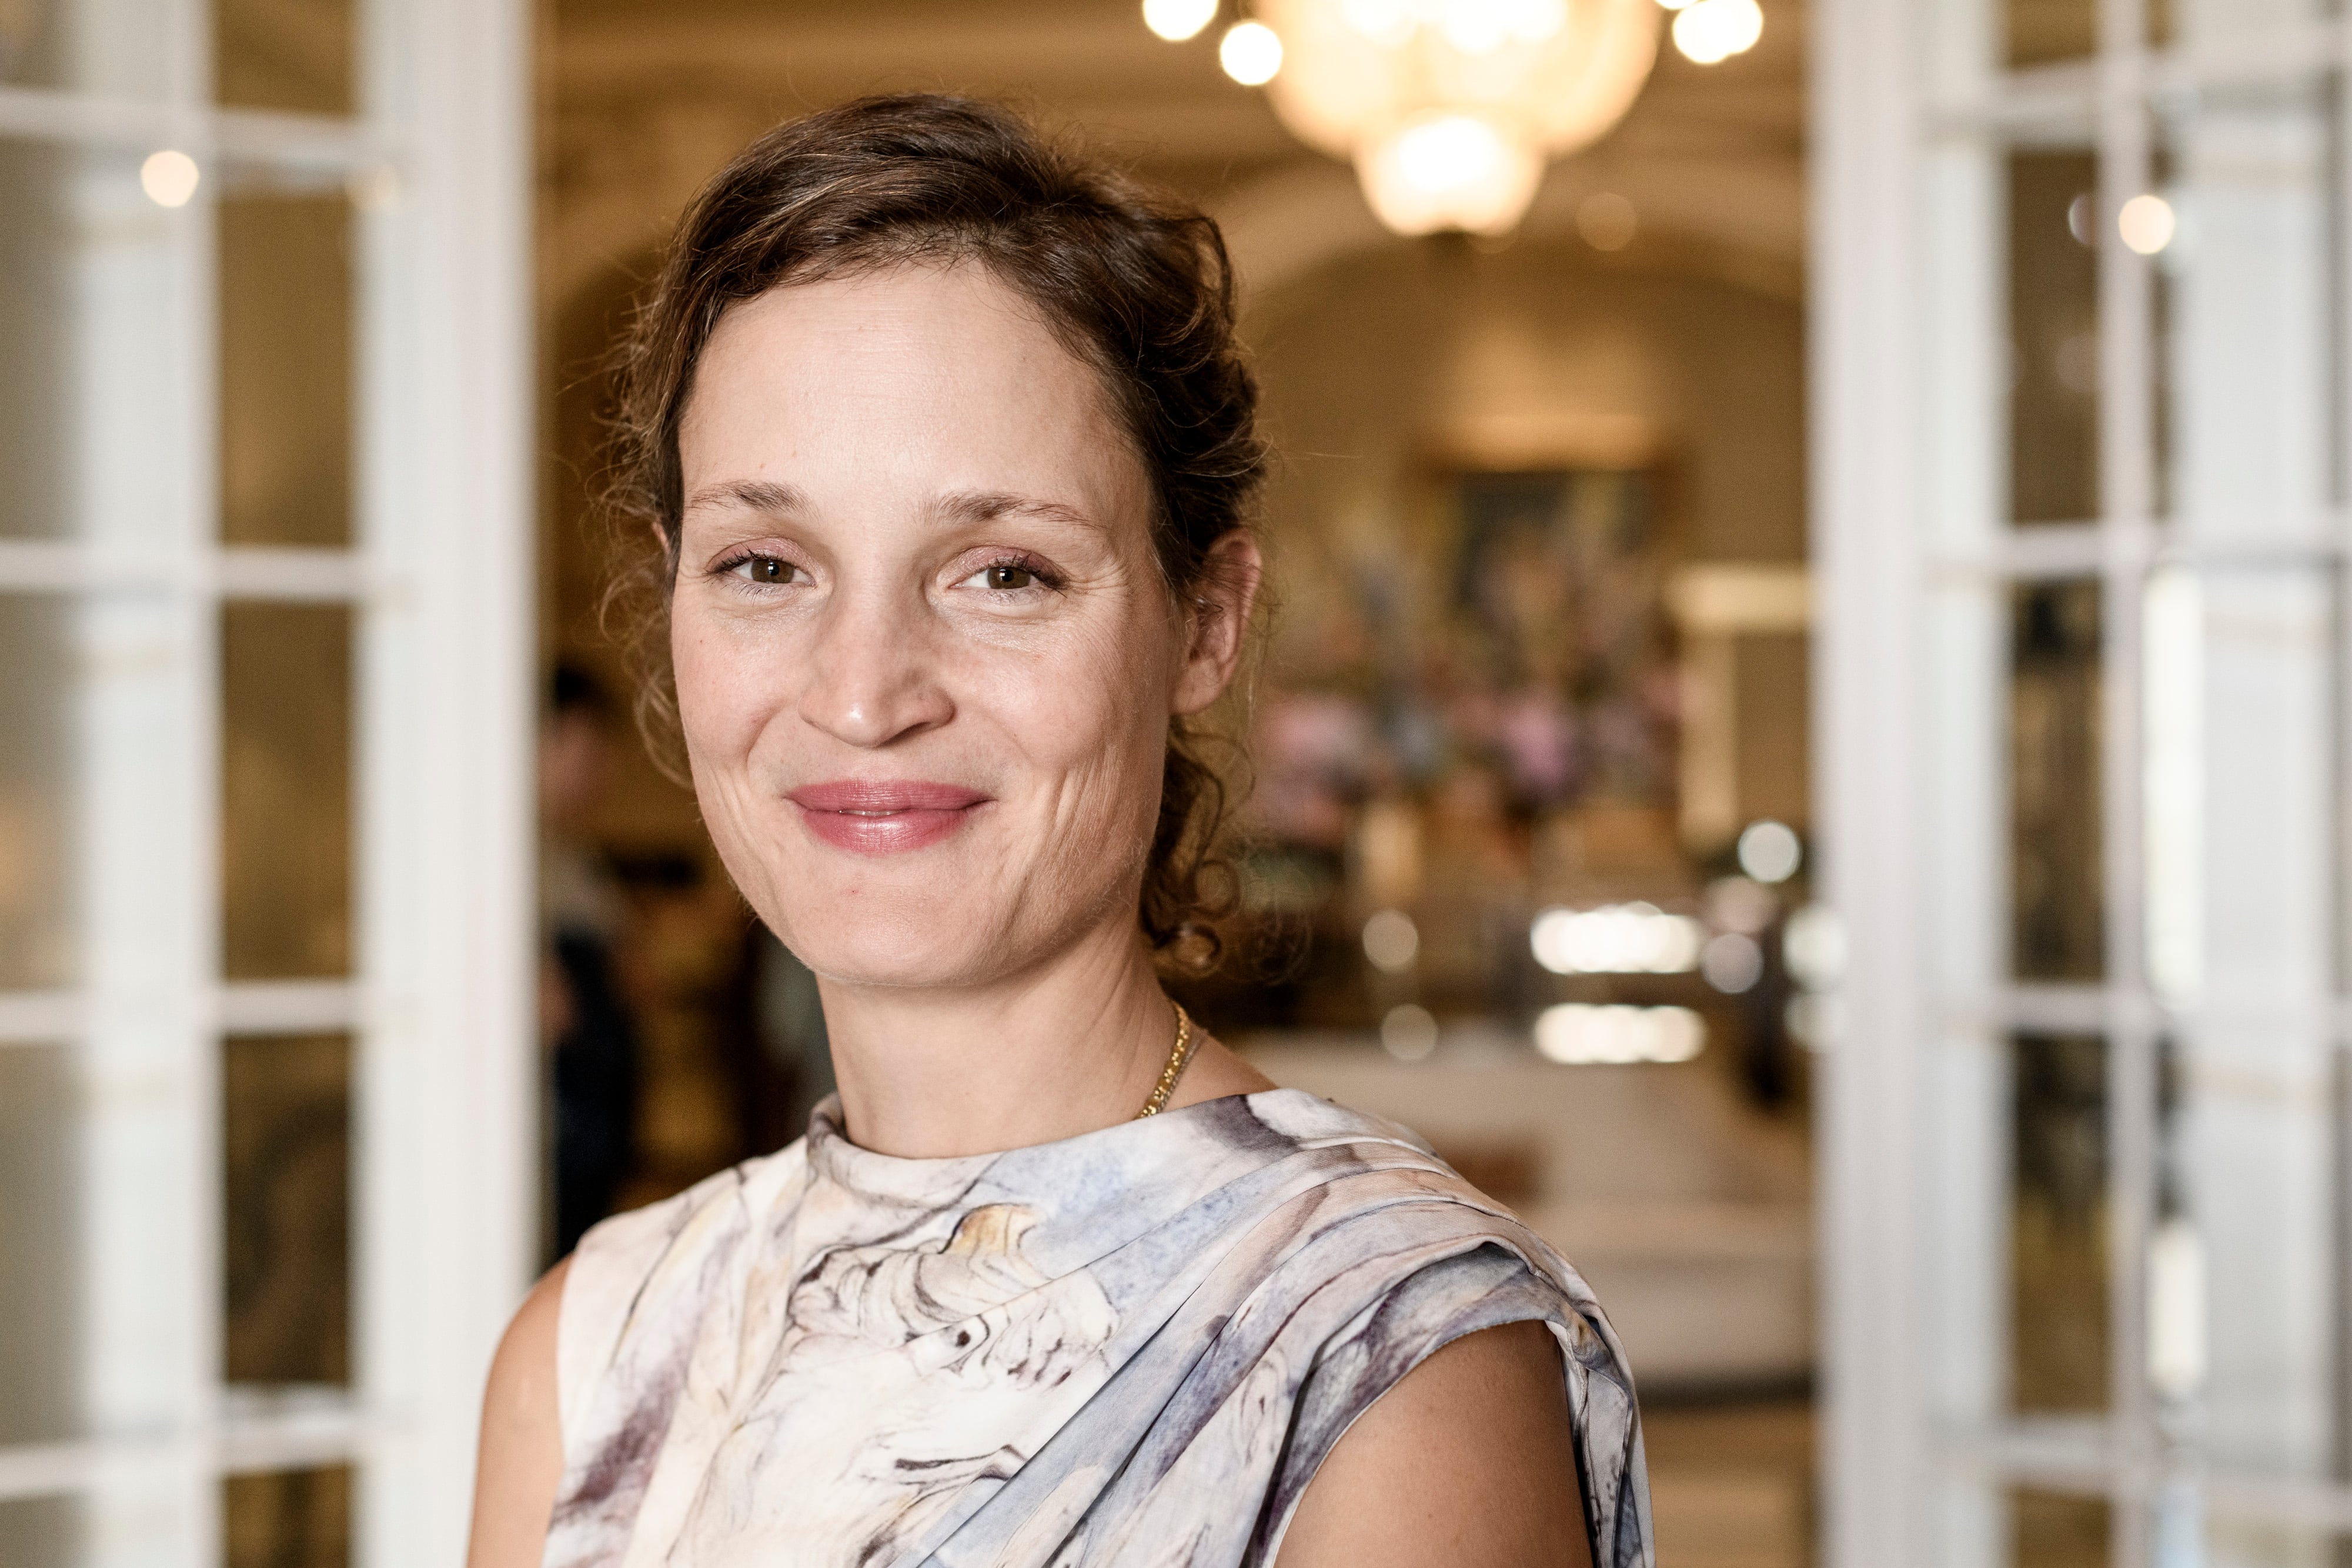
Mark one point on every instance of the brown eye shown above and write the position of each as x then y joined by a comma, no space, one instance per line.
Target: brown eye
765,569
1009,577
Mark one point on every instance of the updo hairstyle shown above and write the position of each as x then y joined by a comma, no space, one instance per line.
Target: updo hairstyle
1133,284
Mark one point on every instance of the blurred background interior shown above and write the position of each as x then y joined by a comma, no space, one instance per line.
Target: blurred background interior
1661,565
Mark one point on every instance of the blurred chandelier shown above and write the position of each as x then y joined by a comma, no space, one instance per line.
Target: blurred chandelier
1449,109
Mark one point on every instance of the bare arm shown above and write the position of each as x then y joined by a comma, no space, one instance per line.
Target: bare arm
522,1438
1469,1461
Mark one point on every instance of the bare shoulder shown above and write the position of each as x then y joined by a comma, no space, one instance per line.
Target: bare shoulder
1469,1460
521,1458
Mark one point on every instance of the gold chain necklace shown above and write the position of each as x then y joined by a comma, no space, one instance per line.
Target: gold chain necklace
1169,1074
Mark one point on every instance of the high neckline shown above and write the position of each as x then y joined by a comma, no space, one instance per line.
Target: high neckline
918,1178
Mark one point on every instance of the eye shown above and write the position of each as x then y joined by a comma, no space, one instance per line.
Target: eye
1011,575
765,569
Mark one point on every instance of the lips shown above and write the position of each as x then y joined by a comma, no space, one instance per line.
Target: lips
880,817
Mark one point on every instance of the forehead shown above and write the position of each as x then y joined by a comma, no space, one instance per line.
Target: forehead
933,374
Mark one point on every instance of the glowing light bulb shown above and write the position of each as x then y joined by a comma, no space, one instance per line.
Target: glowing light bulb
1576,1034
1451,172
1711,31
169,178
1616,939
2146,224
1177,20
1250,53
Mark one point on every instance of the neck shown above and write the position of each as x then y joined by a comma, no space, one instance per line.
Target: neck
1068,1047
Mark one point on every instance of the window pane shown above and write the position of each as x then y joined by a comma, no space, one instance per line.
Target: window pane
286,368
2054,328
111,46
86,335
284,53
286,1518
40,1532
2243,1335
2239,225
2208,22
39,1153
286,1221
2051,1530
37,745
2243,1330
2037,32
2057,930
2058,1236
285,753
2240,705
2247,1544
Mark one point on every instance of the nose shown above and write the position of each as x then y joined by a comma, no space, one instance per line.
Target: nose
872,676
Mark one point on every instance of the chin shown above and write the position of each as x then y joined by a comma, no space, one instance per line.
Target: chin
907,924
901,944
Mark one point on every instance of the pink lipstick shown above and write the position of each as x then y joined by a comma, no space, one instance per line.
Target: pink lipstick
880,817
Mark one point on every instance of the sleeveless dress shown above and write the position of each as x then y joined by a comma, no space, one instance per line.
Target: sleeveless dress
1131,1347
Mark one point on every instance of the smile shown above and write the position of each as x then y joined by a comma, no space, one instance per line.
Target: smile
877,817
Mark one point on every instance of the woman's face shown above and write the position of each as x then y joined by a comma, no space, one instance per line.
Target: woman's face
926,661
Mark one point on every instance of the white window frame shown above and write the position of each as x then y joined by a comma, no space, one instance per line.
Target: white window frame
441,1006
1883,312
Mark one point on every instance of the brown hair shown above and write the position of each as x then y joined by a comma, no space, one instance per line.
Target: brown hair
1135,285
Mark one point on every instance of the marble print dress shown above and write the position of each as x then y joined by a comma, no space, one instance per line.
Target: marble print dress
1132,1347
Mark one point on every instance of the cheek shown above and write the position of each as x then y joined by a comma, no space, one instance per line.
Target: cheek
1093,718
723,689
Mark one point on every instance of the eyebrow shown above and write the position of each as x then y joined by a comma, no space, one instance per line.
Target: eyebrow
754,494
962,506
981,505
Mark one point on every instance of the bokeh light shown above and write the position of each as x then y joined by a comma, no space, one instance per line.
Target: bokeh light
1711,31
1732,963
1771,852
1814,945
1615,939
1409,1032
1390,941
1607,221
1578,1034
2146,224
168,177
1177,20
1250,53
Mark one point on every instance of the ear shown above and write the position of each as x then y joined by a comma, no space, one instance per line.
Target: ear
1217,622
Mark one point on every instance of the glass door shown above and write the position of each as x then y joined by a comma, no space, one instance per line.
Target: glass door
2082,328
265,1051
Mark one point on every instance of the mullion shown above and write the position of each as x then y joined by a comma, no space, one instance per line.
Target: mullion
2339,384
2127,503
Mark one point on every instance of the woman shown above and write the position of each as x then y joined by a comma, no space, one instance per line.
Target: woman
947,445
